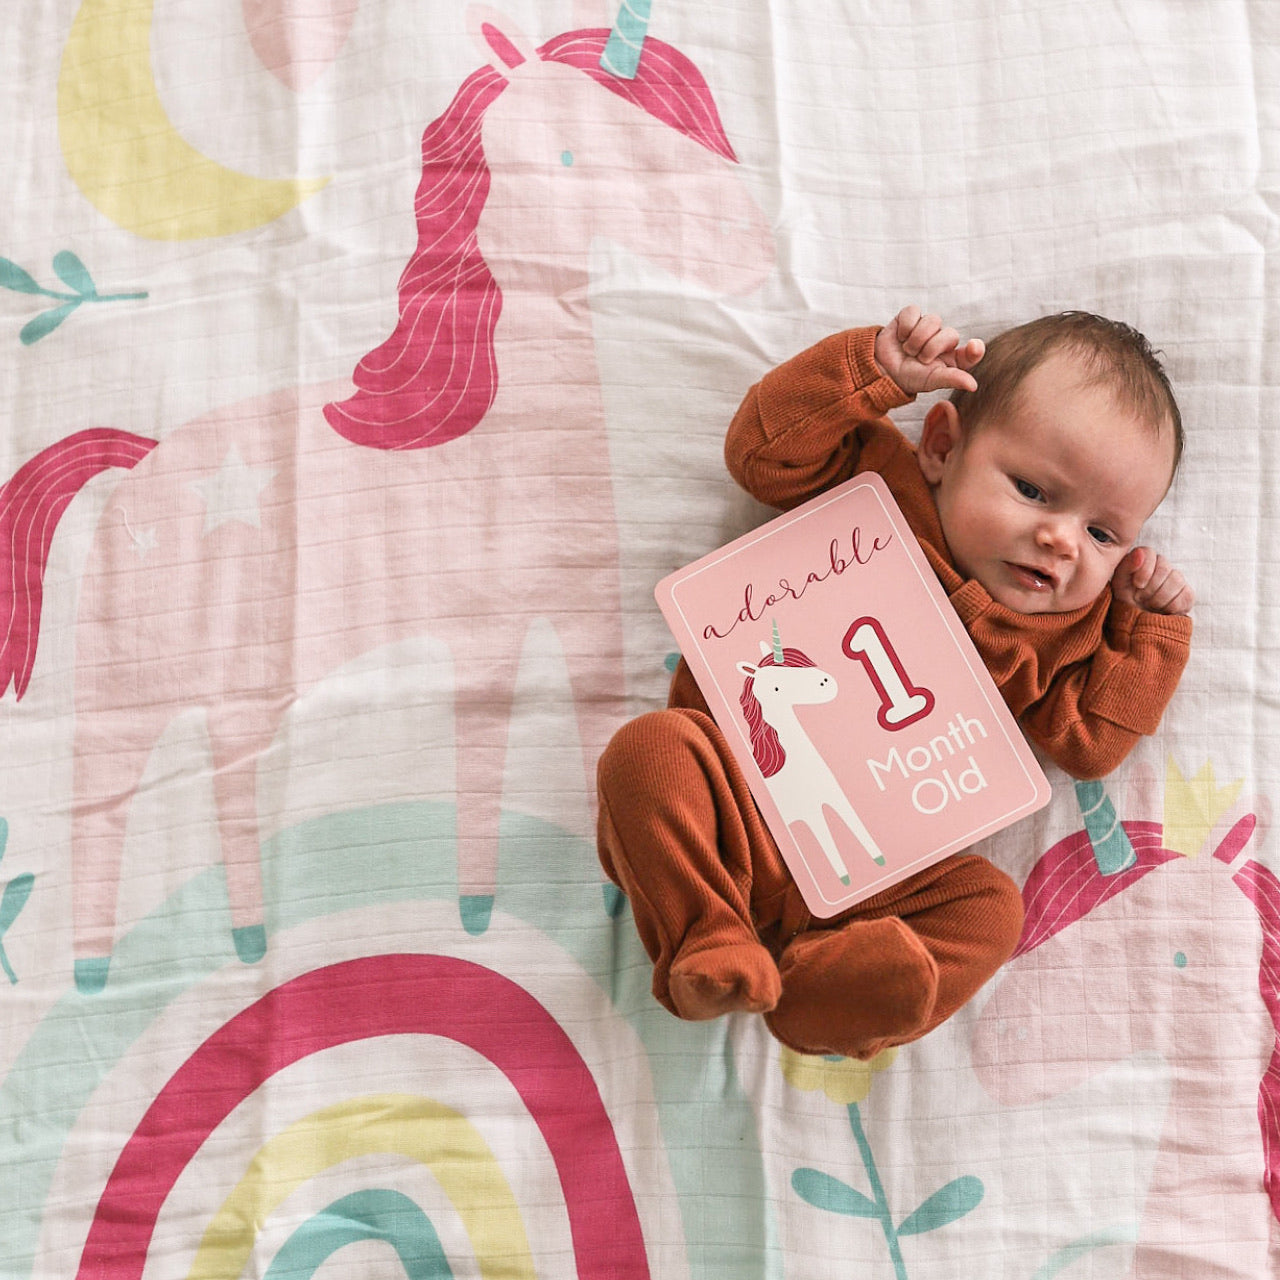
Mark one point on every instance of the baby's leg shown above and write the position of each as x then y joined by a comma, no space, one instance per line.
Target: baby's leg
900,963
679,834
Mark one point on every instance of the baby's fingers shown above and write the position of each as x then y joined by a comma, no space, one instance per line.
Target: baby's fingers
1168,591
906,320
971,353
922,334
947,377
942,346
1125,580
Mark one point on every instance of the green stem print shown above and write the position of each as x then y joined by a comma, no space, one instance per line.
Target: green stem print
944,1206
74,274
12,900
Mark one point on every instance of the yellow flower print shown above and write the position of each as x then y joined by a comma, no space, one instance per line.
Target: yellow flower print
843,1080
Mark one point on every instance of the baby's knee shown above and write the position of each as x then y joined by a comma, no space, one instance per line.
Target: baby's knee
1001,913
638,749
655,750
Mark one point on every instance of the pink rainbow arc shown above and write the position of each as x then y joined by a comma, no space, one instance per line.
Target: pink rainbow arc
359,1000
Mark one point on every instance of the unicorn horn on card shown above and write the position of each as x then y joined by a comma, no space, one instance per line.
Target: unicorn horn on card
621,56
777,645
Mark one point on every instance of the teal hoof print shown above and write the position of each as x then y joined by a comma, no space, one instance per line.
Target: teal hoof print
91,974
251,942
614,901
845,879
475,910
879,863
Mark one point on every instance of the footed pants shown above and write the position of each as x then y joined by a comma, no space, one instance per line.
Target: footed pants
727,929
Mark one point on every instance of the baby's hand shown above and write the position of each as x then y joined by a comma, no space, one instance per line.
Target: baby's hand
1148,581
919,354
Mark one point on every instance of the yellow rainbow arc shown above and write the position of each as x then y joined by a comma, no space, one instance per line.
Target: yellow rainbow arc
403,1124
124,153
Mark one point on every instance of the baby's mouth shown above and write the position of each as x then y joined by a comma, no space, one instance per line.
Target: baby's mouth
1032,578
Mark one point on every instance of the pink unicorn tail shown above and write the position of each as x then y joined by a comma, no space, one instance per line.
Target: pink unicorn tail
31,504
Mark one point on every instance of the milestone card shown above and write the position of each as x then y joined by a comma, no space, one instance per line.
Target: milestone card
872,736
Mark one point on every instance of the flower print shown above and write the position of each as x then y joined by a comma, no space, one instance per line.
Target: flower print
843,1080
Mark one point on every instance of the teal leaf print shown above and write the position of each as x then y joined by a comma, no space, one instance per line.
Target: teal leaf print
13,277
825,1192
14,898
947,1204
16,893
45,323
958,1197
72,272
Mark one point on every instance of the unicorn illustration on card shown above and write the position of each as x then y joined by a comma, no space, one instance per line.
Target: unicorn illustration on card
798,778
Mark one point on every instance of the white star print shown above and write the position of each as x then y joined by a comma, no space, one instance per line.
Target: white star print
231,493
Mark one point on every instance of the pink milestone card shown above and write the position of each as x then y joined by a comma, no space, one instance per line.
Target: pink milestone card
872,736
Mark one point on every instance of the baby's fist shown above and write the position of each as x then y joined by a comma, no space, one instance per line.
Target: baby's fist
1148,581
920,354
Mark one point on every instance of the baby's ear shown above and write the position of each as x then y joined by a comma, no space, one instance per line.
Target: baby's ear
942,432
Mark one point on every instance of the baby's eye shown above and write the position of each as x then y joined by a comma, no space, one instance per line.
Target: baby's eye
1027,489
1100,536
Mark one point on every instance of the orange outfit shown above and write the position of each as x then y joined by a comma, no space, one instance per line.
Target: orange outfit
679,833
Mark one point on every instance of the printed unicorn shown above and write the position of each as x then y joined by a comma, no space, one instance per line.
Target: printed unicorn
463,491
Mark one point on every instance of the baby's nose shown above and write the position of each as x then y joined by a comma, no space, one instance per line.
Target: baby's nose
1058,536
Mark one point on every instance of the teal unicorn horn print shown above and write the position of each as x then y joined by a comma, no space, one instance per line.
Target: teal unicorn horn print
621,56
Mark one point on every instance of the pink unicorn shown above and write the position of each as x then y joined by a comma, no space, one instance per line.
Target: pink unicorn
462,491
1174,955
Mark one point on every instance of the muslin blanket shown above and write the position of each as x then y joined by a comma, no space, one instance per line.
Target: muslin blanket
363,365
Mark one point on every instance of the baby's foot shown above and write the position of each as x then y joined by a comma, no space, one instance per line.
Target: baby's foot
739,977
847,990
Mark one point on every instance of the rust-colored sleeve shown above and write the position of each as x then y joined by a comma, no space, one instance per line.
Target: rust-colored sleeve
1096,710
793,434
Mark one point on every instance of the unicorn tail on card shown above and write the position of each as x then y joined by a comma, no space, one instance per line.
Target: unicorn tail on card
31,504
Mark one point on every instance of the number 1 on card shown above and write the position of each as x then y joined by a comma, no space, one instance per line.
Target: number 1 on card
901,702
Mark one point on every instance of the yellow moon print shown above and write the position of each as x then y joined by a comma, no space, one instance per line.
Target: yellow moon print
124,153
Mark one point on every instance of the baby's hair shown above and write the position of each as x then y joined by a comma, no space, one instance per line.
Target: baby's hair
1116,354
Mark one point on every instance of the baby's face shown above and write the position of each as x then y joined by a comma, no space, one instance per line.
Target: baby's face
1044,499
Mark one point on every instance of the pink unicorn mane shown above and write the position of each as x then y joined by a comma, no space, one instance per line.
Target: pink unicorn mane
1066,884
765,744
436,376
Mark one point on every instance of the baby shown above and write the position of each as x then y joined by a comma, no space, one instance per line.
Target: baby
1028,491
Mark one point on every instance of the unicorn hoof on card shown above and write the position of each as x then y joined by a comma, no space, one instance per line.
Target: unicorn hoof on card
800,781
461,492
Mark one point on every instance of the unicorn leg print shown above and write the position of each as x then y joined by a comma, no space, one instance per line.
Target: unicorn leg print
462,492
800,781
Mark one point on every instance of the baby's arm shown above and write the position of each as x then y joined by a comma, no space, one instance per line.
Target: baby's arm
793,435
1096,710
